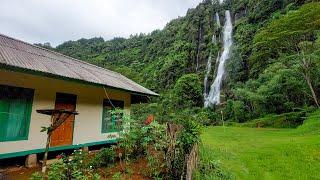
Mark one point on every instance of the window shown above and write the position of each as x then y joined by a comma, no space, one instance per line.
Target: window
111,122
15,112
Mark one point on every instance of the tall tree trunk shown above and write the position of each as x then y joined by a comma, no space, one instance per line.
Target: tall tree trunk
314,95
307,78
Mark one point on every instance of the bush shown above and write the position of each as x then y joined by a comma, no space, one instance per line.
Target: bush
239,112
188,91
150,140
205,117
75,166
36,176
311,124
140,112
285,120
236,111
57,171
104,158
187,137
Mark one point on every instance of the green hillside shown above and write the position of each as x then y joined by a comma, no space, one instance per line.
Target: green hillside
265,73
270,89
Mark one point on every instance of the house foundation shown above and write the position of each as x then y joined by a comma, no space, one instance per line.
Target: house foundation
31,161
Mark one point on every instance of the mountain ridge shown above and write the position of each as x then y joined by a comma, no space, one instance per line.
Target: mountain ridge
256,81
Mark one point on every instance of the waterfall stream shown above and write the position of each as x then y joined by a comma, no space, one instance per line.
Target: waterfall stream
218,20
209,64
205,81
213,98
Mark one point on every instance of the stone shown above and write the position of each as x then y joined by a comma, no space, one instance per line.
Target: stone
85,149
31,161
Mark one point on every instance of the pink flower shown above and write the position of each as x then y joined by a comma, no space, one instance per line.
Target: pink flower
59,156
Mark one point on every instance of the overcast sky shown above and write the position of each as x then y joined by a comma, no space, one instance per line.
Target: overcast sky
56,21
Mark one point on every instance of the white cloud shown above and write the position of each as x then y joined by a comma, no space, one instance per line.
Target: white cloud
56,21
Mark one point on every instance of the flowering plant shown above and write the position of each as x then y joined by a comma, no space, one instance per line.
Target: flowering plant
59,156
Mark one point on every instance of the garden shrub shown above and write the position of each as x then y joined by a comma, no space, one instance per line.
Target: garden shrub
205,117
187,137
36,176
190,134
129,142
103,158
151,141
57,171
139,140
154,134
75,166
140,112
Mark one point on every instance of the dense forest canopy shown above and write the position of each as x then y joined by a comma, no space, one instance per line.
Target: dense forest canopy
274,67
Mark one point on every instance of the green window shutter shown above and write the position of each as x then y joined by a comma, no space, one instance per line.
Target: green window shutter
4,108
15,112
109,120
16,118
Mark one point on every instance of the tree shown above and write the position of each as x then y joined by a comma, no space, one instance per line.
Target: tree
307,65
188,91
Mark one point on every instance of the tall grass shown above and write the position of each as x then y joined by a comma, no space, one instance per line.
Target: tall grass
210,168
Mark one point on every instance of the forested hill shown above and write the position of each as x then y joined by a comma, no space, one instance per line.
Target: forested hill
274,66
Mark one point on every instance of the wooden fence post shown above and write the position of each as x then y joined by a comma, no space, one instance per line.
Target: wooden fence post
192,161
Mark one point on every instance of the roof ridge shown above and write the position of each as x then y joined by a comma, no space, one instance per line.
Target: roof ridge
51,51
19,49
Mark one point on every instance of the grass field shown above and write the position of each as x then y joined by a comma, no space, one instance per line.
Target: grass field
251,153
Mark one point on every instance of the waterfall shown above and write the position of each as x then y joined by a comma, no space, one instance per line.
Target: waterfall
205,81
214,95
214,38
209,64
206,87
218,20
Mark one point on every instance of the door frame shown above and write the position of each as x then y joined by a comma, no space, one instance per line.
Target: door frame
75,107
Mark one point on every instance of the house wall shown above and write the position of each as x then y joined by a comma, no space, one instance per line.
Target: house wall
87,126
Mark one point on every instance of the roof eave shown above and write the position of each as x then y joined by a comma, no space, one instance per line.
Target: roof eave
49,75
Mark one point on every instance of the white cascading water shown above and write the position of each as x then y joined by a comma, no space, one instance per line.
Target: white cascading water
209,64
218,19
214,94
205,81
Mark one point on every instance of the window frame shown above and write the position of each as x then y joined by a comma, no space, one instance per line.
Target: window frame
107,102
29,104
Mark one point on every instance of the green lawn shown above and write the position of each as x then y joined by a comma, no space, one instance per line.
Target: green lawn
251,153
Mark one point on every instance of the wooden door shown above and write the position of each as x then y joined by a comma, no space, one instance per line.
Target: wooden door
63,135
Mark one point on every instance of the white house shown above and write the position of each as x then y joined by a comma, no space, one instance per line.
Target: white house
33,78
